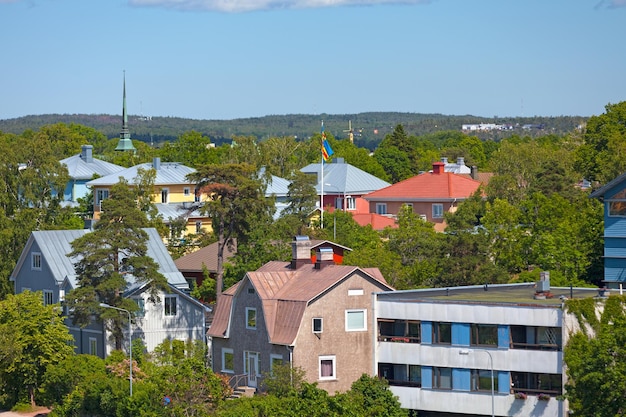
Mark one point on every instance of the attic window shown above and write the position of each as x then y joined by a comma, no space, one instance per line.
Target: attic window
250,318
36,261
357,291
317,325
250,290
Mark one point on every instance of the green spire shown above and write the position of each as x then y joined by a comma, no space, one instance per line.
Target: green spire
125,143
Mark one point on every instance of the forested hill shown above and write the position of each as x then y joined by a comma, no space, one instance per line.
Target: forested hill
369,128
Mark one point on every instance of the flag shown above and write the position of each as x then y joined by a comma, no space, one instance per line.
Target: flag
327,151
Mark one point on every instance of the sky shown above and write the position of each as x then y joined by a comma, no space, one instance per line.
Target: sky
228,59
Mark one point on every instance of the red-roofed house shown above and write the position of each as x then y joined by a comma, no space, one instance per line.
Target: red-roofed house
316,316
430,194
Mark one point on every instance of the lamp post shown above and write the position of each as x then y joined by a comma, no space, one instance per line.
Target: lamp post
467,352
130,343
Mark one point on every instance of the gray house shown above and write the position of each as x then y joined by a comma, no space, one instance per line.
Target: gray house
45,266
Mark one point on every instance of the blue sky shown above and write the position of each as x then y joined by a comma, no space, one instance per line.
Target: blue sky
226,59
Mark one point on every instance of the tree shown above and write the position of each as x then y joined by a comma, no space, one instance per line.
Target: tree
33,336
301,198
116,249
595,358
376,399
235,198
191,149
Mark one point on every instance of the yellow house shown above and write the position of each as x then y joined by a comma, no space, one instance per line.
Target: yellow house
174,196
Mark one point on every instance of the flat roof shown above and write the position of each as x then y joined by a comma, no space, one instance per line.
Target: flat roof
520,294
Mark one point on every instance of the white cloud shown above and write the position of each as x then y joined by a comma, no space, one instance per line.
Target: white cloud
237,6
611,4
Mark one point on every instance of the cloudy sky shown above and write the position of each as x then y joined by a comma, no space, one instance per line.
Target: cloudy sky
225,59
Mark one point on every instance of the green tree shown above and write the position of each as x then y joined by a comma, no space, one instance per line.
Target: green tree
191,148
376,399
595,358
63,377
301,198
116,248
34,336
235,200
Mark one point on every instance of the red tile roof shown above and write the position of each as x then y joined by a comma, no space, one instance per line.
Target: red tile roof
428,186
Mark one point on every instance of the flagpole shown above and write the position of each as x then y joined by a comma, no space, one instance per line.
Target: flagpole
322,180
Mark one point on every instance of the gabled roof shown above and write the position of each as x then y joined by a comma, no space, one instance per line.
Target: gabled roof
606,189
343,178
167,173
81,168
285,293
206,256
428,186
55,245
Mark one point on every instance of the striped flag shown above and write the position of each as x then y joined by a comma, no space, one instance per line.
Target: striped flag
327,151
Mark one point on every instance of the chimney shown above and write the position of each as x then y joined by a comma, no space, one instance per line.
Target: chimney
460,161
156,163
324,257
444,159
339,161
300,251
438,167
86,154
474,172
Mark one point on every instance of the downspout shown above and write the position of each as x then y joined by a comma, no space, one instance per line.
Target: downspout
290,349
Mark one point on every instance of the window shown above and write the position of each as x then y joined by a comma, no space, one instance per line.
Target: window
47,297
617,204
35,258
484,335
355,291
186,191
531,383
141,303
539,338
355,320
350,203
442,378
328,367
437,211
275,360
317,325
250,318
481,380
339,203
228,360
442,333
93,346
401,374
198,227
381,208
101,194
196,195
170,305
403,331
165,194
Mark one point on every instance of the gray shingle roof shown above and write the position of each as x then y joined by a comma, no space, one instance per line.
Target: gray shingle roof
343,178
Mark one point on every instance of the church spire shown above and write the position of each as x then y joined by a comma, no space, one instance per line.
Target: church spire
125,143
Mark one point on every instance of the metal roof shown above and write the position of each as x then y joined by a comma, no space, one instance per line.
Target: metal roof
79,169
167,173
342,178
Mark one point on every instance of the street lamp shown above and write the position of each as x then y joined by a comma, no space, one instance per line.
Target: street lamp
467,352
130,343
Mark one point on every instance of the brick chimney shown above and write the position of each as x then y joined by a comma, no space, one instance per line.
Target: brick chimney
438,167
300,251
324,256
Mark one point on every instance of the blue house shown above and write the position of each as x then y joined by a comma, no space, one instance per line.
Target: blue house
613,195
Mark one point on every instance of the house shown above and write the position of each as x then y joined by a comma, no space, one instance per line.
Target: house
439,347
193,265
431,194
82,168
343,185
175,197
613,197
45,266
315,316
277,188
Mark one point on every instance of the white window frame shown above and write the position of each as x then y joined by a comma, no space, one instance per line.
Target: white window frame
141,303
93,346
165,192
355,291
352,311
381,208
226,351
331,358
321,321
186,191
165,310
248,311
275,357
35,261
48,297
437,211
350,203
101,195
